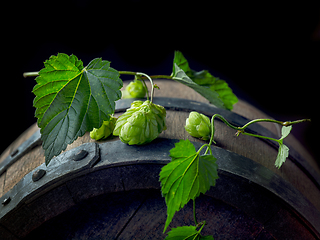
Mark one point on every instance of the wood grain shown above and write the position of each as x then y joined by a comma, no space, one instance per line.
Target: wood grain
252,148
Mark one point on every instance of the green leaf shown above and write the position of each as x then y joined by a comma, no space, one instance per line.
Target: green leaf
209,237
181,62
205,79
186,176
180,76
283,151
183,233
285,131
186,233
71,99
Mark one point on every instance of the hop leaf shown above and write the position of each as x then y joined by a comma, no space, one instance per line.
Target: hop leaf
186,176
214,89
141,123
71,99
283,151
186,233
180,76
204,78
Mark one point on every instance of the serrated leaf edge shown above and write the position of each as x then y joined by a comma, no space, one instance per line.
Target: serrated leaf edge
191,193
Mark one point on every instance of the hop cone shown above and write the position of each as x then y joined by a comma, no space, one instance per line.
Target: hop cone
198,125
135,89
105,130
141,123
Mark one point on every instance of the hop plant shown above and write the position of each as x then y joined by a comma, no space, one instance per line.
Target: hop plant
105,130
135,89
141,123
198,125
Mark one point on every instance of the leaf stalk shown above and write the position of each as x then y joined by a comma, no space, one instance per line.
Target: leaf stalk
202,225
194,212
240,130
152,85
30,74
212,134
143,76
288,123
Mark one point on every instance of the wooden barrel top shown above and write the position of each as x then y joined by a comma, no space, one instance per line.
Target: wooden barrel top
257,150
258,202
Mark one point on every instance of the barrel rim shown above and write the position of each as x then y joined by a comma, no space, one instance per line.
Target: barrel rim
127,161
185,105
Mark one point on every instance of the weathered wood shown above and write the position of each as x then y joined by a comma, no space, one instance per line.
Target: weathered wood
174,89
23,137
252,148
255,149
112,216
19,169
124,168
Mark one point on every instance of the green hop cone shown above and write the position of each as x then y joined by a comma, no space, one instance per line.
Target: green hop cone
105,130
141,123
198,125
135,89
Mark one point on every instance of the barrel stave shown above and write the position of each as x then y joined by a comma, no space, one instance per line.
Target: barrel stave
97,181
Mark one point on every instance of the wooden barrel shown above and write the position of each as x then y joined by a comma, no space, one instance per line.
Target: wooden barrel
113,191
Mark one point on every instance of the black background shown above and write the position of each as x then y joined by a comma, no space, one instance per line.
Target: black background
268,53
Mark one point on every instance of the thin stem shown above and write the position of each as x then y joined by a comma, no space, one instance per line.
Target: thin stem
260,120
226,122
127,72
152,85
143,75
241,129
204,145
289,123
259,136
161,77
145,87
35,74
30,74
202,225
212,134
194,212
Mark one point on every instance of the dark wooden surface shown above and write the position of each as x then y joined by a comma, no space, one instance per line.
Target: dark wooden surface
259,196
111,216
252,148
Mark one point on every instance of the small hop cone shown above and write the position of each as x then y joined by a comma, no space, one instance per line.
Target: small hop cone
105,130
141,123
135,89
198,125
